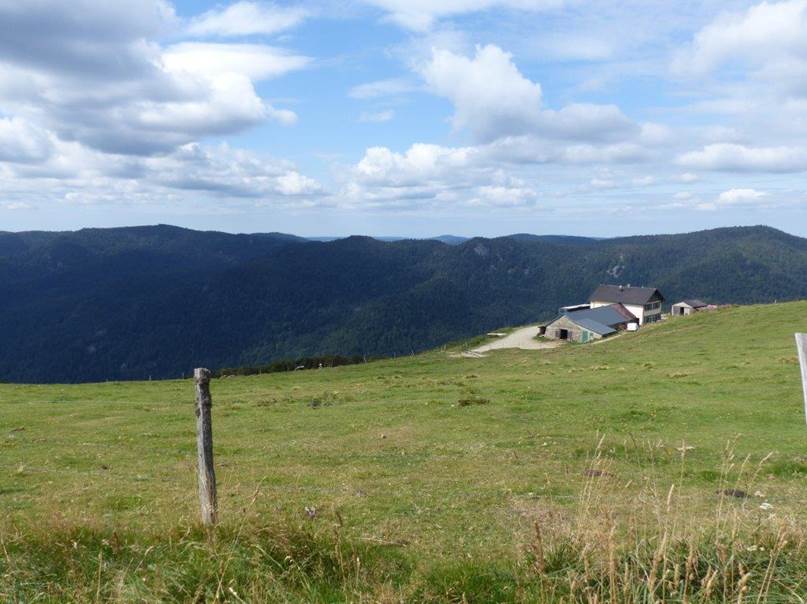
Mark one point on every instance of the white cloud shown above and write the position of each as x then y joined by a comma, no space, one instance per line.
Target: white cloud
490,95
433,176
96,111
294,183
603,183
764,33
759,58
574,46
104,82
246,18
740,158
420,15
230,105
16,205
587,121
192,173
629,152
119,105
478,175
494,100
229,70
655,134
382,88
733,196
287,117
531,149
377,117
503,196
420,164
21,142
227,171
255,61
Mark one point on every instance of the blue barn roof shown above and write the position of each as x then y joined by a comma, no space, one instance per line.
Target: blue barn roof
614,314
594,326
602,320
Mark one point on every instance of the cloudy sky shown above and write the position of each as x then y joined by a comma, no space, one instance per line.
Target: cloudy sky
404,117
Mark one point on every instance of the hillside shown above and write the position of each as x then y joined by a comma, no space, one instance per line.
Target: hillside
145,302
427,477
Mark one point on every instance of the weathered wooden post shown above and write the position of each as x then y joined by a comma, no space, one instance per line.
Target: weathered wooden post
801,344
204,447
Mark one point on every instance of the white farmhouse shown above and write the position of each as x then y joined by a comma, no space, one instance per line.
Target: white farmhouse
643,302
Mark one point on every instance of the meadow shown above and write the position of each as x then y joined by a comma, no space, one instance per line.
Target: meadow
668,465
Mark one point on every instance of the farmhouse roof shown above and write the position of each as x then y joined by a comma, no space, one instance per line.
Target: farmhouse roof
625,294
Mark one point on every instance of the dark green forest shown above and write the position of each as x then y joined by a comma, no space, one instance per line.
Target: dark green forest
134,303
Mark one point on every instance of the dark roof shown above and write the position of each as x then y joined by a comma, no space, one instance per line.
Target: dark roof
601,320
625,294
594,326
694,303
629,316
612,315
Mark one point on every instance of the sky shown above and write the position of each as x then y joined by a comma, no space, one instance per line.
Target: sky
404,117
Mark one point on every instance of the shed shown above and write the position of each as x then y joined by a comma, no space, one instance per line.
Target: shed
687,307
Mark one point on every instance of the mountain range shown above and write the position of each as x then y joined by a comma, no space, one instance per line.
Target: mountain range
156,301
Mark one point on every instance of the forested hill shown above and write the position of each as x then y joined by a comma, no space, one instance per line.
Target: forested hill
143,302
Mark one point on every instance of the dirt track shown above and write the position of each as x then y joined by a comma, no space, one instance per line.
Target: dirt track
523,338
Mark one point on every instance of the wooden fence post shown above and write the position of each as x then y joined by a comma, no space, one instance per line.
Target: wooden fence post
204,447
801,344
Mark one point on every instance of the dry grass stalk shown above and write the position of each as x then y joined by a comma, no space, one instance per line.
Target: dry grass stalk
538,550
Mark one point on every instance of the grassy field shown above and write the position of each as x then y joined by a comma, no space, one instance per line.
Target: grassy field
591,473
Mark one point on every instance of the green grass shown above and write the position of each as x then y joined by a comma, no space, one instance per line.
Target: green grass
431,471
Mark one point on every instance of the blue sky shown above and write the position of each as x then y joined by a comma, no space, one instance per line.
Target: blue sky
404,117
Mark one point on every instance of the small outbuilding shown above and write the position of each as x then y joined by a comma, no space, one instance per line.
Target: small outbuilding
687,307
584,324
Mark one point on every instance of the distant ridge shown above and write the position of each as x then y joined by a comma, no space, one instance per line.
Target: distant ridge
128,303
451,239
565,239
448,239
457,240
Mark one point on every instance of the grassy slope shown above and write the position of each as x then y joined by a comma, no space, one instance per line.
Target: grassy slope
386,450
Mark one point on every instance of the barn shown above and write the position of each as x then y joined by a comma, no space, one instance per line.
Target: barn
587,324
